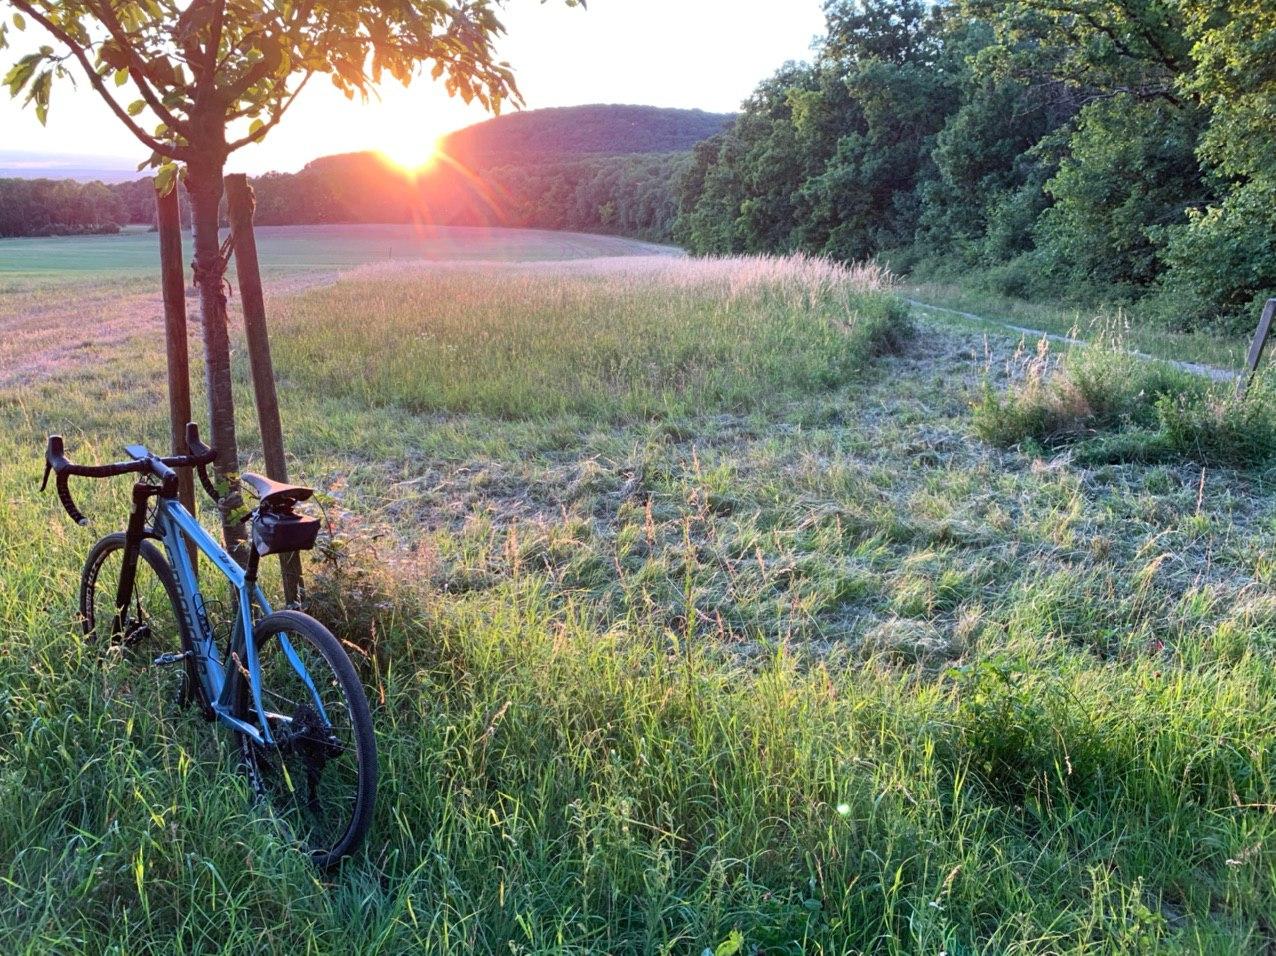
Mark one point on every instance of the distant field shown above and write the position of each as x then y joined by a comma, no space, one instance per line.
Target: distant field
293,248
68,302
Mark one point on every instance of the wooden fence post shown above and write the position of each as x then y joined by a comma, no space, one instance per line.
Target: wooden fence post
240,205
1256,348
173,280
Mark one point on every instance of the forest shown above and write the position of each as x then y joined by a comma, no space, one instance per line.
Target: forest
1115,151
64,207
1089,151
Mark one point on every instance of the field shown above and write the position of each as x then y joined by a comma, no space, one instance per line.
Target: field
701,608
135,252
49,287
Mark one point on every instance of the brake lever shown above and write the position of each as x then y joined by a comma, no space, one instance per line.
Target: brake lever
48,469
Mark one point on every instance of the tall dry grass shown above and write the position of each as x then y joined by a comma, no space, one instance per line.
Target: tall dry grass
616,338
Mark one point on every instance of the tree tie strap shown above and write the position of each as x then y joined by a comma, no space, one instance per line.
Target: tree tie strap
216,271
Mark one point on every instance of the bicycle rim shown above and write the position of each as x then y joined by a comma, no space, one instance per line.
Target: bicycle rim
151,624
316,778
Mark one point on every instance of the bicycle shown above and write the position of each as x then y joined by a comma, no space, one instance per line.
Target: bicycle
283,685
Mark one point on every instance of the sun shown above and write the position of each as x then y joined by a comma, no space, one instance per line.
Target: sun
410,153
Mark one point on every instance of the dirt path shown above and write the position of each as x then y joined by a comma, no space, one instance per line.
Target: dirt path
1212,372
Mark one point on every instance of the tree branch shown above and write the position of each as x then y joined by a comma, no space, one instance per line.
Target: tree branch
276,90
276,116
164,149
208,81
138,68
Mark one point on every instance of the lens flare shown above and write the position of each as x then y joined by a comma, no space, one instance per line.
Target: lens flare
411,154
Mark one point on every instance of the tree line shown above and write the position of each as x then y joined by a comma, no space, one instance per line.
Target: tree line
632,195
1117,151
1098,150
65,207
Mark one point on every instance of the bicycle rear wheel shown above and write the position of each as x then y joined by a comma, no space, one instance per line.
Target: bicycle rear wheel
320,776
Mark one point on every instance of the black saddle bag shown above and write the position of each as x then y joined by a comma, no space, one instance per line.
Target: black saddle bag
281,531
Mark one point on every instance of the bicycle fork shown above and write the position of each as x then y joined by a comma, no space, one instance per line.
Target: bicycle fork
133,536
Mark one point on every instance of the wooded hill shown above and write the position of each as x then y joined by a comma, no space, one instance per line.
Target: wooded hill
1097,151
585,168
574,131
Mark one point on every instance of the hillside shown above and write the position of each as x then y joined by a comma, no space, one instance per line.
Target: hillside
585,168
573,131
610,169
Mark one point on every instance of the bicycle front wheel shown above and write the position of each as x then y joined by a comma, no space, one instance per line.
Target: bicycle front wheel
148,625
320,775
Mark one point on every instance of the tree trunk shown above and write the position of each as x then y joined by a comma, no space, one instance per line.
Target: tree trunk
205,187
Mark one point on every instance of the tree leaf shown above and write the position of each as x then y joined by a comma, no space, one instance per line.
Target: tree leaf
21,72
136,107
165,178
39,96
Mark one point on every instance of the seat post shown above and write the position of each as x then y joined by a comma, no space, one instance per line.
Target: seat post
250,570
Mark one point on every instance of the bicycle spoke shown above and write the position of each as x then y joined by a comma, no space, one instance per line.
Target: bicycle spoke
311,775
150,626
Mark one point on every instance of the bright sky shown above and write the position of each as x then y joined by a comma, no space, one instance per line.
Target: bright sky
706,54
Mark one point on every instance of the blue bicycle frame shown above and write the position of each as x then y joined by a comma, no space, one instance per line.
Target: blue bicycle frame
174,526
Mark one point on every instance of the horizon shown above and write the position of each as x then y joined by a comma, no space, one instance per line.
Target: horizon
607,51
91,167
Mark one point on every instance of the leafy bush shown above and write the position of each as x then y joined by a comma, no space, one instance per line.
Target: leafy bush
1056,401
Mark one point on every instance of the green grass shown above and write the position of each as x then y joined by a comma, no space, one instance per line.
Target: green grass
1112,406
1225,352
591,341
806,662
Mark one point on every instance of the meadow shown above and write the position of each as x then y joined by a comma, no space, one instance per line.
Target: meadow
702,608
135,251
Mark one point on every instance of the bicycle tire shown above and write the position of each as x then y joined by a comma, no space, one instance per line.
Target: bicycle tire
90,577
270,766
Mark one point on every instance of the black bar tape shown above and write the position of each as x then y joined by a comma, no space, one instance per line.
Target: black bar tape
208,485
64,495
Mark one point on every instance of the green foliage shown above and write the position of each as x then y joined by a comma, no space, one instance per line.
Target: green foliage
44,207
1221,428
864,198
1127,174
1112,406
1100,151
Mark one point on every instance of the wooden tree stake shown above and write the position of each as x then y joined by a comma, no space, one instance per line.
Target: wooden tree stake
1256,348
169,221
240,205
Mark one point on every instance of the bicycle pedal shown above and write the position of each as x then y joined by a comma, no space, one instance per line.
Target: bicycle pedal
164,660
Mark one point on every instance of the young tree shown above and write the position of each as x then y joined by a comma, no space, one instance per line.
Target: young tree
198,79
